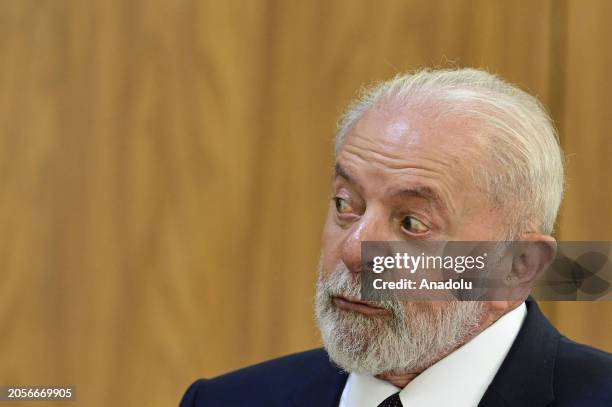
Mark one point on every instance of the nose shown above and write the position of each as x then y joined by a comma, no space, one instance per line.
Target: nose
370,227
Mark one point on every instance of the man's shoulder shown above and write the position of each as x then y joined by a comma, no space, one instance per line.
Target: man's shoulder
282,370
545,368
267,383
582,372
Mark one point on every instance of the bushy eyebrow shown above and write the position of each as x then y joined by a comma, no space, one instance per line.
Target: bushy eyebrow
423,192
341,172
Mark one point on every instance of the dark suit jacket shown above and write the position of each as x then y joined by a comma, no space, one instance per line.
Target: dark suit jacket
542,368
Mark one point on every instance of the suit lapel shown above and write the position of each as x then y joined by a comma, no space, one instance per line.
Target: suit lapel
525,378
323,386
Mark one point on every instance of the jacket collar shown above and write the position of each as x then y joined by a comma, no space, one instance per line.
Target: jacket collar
323,386
525,378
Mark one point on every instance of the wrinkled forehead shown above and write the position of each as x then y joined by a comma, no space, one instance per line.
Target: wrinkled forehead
408,133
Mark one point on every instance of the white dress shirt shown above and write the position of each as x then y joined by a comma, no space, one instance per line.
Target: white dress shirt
458,380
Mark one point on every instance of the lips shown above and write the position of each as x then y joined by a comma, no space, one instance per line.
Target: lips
361,307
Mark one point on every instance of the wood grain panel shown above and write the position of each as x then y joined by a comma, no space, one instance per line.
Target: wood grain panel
585,125
164,169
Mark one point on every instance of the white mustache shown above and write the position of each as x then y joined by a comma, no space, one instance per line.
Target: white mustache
344,283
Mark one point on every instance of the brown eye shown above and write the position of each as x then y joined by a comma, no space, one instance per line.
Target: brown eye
342,206
412,225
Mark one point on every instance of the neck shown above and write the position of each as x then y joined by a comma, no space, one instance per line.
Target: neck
401,380
398,380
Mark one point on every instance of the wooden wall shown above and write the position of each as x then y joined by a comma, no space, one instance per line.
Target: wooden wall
164,169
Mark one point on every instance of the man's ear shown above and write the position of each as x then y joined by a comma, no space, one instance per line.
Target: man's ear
533,254
530,258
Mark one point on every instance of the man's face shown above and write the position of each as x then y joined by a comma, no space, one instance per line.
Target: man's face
400,175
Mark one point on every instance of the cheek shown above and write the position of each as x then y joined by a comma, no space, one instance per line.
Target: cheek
330,243
328,229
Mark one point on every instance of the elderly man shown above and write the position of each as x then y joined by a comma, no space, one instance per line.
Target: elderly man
438,155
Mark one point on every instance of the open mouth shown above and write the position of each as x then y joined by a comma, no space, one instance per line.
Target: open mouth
361,307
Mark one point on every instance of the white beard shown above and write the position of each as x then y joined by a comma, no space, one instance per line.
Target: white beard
409,340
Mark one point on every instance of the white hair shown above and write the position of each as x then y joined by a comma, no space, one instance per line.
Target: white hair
523,162
408,340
